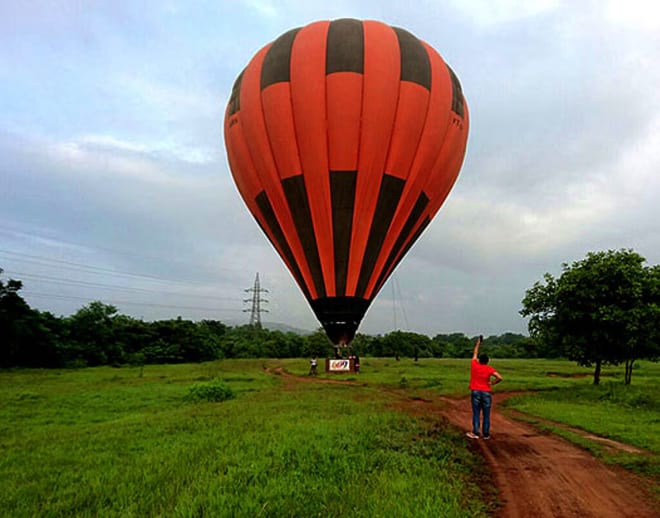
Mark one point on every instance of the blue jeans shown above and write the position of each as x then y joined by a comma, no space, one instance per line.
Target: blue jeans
481,402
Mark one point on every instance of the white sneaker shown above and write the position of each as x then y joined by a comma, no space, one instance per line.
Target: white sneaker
472,435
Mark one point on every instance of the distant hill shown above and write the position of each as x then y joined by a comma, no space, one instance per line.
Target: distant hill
285,328
272,326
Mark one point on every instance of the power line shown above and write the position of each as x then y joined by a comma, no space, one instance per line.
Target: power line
125,302
75,282
9,230
91,269
95,270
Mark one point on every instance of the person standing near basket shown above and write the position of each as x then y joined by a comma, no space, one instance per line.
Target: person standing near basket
482,378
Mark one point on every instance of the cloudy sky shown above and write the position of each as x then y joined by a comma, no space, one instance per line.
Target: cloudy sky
114,182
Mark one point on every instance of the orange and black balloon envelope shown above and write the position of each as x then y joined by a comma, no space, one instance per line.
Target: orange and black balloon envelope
344,138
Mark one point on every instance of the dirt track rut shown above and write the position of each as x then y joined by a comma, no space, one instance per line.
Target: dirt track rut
542,475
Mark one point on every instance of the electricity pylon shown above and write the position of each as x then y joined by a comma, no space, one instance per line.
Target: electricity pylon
256,310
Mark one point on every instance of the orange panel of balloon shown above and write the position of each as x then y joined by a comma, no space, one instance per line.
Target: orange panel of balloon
344,138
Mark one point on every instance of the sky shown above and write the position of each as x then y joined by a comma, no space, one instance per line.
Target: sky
115,186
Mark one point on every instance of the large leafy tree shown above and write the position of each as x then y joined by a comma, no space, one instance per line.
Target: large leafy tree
28,338
603,309
14,313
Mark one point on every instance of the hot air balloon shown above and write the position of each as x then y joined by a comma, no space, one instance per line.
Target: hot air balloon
344,138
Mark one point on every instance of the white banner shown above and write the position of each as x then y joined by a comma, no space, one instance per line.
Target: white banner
339,365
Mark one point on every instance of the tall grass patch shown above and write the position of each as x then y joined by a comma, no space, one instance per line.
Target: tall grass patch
213,391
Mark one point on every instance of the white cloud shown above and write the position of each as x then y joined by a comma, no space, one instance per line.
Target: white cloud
78,159
193,155
487,13
636,14
264,8
174,97
637,170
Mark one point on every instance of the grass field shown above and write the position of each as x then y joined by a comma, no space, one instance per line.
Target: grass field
122,442
627,414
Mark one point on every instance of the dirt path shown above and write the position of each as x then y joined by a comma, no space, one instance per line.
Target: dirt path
538,475
542,475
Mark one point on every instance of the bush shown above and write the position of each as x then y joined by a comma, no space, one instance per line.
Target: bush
213,391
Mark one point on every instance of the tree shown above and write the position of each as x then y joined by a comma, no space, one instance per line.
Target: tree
602,310
14,315
92,333
408,344
512,345
318,344
643,340
363,345
454,345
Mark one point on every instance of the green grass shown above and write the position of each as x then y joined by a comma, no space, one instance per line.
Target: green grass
629,414
107,442
127,442
451,376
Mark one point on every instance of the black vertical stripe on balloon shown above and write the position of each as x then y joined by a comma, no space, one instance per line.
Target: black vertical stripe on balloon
391,188
296,196
277,63
345,47
421,204
457,100
342,193
415,63
234,103
268,214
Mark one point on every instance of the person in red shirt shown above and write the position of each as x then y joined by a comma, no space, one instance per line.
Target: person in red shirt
482,378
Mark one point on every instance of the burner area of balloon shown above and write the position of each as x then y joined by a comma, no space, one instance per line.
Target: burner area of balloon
344,139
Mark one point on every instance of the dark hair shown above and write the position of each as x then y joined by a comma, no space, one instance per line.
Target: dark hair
483,359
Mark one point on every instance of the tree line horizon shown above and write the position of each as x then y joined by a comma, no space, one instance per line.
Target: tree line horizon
98,334
602,310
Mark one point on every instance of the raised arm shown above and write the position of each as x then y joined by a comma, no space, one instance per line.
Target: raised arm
475,353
